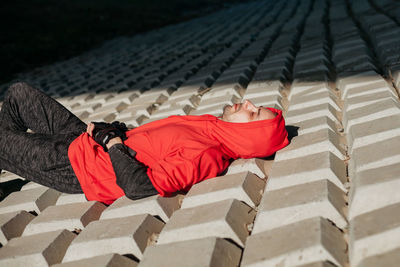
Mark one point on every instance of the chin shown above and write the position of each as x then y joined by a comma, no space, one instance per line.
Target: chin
225,117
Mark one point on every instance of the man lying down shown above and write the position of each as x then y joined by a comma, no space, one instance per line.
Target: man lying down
106,160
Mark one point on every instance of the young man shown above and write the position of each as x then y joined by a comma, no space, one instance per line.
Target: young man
107,161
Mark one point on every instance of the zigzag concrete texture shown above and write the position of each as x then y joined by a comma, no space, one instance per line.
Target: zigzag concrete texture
331,197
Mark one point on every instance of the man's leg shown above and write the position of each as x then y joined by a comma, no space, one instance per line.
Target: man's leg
26,107
41,156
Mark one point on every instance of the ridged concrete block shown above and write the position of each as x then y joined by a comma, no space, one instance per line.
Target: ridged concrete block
112,107
274,101
171,107
36,250
225,219
175,102
378,86
162,207
218,101
202,79
182,93
245,186
307,241
387,259
344,48
146,100
241,67
67,101
257,166
82,115
31,185
88,107
106,116
378,110
316,124
315,99
373,189
263,88
216,110
214,106
396,78
313,70
129,235
109,260
273,72
186,89
355,62
234,80
295,203
36,200
296,116
174,110
8,176
378,154
131,121
368,99
374,233
369,132
358,80
125,97
312,143
13,224
223,91
152,96
101,98
349,52
72,217
319,166
134,111
318,264
210,251
71,198
301,88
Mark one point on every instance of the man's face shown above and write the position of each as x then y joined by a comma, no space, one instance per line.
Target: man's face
246,112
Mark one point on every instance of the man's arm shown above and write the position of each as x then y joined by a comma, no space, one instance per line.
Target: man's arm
131,174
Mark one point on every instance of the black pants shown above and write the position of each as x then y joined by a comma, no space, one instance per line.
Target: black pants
41,156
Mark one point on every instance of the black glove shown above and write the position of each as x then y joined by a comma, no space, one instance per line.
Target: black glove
103,132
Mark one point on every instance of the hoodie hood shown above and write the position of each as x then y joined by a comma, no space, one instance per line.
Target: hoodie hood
251,139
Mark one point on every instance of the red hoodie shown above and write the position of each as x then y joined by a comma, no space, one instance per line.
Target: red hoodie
179,152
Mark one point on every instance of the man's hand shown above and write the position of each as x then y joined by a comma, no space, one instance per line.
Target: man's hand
107,134
116,140
90,128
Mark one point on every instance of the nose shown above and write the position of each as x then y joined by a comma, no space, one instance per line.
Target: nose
249,105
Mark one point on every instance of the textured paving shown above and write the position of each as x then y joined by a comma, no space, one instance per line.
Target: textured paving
328,199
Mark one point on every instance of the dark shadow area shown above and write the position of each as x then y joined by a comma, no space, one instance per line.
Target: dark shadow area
39,32
272,157
8,187
230,240
292,131
132,257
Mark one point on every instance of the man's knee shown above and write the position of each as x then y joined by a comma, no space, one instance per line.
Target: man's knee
18,90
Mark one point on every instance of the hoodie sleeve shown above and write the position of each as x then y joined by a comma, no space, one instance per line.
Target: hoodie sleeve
131,174
181,171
